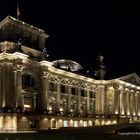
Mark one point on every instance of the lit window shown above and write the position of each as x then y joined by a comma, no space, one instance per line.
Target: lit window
27,103
85,123
75,123
53,124
65,123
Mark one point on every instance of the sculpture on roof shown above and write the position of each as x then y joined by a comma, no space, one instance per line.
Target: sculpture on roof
100,72
44,54
18,45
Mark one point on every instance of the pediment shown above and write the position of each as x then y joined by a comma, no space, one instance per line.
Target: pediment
29,90
131,78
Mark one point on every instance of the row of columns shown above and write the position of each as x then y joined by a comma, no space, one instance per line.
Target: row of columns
45,96
126,102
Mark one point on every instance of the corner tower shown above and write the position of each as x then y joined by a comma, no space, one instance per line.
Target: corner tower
13,30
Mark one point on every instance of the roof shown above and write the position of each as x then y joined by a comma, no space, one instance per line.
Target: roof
131,78
22,25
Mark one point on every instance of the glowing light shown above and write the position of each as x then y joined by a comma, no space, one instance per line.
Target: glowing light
122,112
75,123
90,123
27,106
81,122
60,120
61,109
114,122
128,84
1,122
128,113
45,119
71,123
50,108
23,118
108,122
97,122
85,124
133,86
46,63
65,123
102,122
116,112
134,114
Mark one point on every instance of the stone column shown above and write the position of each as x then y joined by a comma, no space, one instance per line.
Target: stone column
136,106
88,102
69,98
127,103
0,88
44,90
79,100
117,100
122,102
18,85
131,102
100,100
3,76
34,103
58,98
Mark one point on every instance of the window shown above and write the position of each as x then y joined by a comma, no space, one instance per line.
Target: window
92,107
52,103
91,94
53,124
28,81
27,103
65,123
34,123
82,93
75,123
73,91
65,105
85,123
62,89
52,86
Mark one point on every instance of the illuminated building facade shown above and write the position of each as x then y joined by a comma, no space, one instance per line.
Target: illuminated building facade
36,94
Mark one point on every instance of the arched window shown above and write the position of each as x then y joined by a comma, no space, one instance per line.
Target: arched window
65,105
52,103
30,90
83,106
92,107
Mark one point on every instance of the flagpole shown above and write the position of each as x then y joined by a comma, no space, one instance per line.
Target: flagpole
18,12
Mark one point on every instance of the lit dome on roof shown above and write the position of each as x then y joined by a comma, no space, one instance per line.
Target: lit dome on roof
67,64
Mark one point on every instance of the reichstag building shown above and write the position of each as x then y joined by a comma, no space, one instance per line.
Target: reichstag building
38,94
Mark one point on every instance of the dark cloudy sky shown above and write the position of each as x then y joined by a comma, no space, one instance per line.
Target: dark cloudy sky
80,30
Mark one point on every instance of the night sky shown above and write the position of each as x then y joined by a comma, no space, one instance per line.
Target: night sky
80,30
